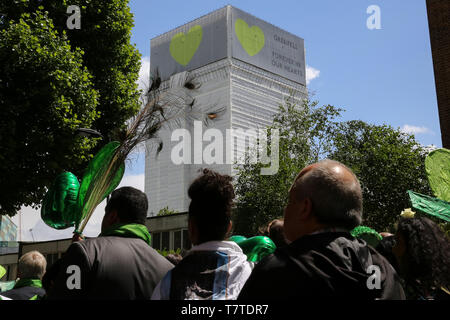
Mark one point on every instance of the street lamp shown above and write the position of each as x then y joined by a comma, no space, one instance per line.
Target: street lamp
86,132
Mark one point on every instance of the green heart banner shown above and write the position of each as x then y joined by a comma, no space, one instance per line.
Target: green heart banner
183,46
252,39
437,166
2,271
429,205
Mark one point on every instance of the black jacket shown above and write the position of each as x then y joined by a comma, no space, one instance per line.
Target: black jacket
111,267
24,293
327,265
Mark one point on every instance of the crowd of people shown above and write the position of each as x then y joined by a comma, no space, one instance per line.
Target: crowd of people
315,256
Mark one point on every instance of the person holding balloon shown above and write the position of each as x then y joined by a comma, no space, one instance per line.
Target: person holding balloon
120,263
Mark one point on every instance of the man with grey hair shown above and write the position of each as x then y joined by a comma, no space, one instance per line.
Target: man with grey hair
30,270
323,259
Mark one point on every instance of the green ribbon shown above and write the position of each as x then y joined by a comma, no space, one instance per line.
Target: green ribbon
28,283
132,230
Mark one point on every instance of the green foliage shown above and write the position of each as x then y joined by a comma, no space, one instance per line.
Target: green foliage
445,226
45,95
304,138
165,252
166,212
54,80
387,162
104,37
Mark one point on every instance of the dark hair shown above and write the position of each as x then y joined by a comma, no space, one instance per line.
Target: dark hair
212,197
427,255
384,247
131,205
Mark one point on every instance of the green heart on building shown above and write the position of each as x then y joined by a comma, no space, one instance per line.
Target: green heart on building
183,46
252,39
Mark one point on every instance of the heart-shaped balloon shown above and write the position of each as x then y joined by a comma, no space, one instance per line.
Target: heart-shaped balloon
367,234
256,248
59,208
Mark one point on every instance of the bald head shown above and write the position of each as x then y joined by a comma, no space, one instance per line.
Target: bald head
334,191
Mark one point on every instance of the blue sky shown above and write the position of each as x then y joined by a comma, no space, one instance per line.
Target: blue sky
379,76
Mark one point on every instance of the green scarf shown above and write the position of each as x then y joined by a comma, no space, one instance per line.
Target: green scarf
28,283
132,230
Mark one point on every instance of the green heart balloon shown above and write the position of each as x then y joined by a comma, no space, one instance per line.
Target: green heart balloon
256,248
252,39
367,234
59,208
96,172
183,46
437,165
2,272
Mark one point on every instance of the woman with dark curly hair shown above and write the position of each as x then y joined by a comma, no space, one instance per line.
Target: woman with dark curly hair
214,268
423,255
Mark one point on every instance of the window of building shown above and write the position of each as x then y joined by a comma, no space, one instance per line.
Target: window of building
156,240
186,240
177,240
165,240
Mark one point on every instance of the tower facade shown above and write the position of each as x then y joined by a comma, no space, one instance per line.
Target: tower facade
246,69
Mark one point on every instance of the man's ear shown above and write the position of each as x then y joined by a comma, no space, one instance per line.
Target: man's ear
112,218
305,209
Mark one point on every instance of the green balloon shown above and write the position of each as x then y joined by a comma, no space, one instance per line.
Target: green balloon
60,202
95,173
367,234
256,248
237,239
437,165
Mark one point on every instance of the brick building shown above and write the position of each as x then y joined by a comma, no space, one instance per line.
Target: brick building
439,26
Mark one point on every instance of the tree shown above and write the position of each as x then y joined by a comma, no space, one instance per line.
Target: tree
387,162
166,212
54,80
304,138
45,95
104,38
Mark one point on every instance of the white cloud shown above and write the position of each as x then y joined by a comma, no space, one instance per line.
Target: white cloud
415,130
144,73
311,74
31,218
